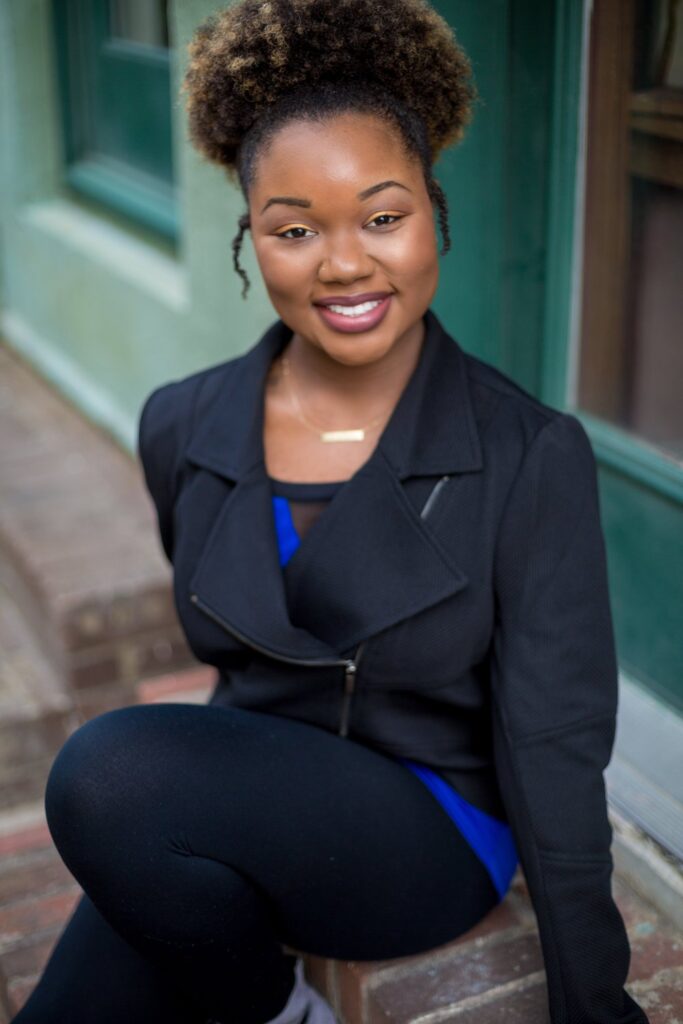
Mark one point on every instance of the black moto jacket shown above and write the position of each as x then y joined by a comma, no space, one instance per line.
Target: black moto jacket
449,605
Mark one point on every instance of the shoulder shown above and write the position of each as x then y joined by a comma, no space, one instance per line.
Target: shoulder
540,477
164,427
170,410
517,429
172,405
166,422
500,403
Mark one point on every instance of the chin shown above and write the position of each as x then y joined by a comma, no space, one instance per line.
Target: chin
359,349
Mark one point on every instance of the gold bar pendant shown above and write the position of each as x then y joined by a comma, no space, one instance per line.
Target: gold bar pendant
343,435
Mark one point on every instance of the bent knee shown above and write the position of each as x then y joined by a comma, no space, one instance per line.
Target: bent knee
92,774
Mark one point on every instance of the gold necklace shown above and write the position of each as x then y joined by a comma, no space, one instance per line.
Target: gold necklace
355,434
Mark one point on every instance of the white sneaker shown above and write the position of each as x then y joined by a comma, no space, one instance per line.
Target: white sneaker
305,1004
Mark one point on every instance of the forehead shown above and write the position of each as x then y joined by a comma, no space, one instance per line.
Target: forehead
344,153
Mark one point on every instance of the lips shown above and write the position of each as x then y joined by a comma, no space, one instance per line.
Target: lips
350,300
348,324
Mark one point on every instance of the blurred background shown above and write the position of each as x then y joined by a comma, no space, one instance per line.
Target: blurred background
566,272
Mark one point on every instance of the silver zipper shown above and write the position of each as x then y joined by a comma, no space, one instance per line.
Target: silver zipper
433,496
350,664
350,674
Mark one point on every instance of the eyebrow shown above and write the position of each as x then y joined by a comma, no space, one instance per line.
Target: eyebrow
365,194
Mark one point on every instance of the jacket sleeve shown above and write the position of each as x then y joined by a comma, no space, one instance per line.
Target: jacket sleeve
162,426
554,680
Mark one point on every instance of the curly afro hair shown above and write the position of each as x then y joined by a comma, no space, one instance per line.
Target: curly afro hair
260,63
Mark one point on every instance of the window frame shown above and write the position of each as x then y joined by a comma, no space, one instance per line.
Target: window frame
125,164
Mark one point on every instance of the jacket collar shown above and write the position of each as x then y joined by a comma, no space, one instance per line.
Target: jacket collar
371,559
431,431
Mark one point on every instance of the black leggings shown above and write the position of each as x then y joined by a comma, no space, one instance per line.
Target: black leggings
205,838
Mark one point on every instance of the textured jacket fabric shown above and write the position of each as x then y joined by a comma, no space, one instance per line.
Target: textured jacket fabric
450,605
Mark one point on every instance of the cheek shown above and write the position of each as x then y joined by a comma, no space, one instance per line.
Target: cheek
282,268
415,254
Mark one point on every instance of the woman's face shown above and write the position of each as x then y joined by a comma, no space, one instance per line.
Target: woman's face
340,235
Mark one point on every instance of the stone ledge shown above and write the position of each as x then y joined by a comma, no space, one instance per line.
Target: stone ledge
652,871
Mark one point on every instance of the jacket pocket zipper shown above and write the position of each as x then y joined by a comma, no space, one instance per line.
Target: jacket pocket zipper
427,508
350,664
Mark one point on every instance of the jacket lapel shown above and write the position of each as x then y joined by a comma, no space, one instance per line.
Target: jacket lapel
371,559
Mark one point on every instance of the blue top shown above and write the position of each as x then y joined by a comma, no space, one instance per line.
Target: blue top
491,839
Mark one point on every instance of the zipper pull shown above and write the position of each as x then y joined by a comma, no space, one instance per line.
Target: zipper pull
349,686
433,495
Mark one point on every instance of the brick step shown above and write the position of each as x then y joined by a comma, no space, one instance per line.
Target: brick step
32,730
491,973
193,686
79,551
37,892
495,973
37,895
86,604
36,715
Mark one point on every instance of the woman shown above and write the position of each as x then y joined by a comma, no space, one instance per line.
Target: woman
393,556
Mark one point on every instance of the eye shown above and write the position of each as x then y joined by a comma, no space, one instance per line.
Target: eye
388,218
392,217
286,234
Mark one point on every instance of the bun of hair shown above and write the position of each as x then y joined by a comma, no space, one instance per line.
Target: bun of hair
243,59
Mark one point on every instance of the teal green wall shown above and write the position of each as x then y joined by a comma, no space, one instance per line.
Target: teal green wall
646,582
117,311
497,182
506,288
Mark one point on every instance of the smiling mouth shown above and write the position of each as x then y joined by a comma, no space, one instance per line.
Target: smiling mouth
359,310
353,319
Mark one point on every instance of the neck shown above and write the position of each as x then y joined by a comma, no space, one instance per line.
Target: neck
356,388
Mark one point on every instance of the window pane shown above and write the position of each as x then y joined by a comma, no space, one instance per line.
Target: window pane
139,21
116,102
631,353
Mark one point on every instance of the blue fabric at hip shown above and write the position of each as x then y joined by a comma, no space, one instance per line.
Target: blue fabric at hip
491,840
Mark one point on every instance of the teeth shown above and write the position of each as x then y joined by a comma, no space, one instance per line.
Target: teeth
364,307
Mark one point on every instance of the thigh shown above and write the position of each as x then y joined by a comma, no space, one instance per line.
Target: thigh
356,858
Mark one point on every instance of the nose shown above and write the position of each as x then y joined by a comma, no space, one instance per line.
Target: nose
346,259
